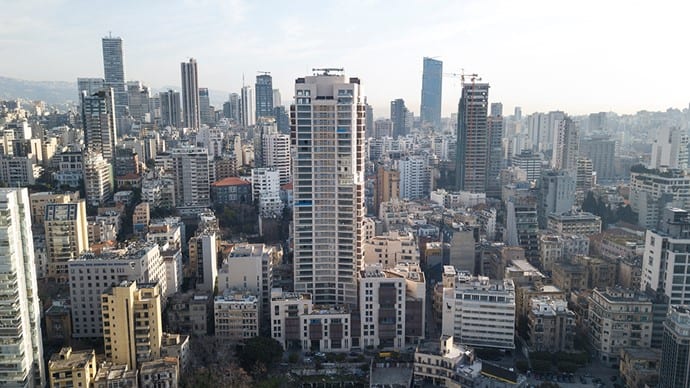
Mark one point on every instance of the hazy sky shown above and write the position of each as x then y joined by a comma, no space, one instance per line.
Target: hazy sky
577,56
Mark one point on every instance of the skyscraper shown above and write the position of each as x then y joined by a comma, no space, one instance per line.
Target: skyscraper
495,124
98,119
602,151
171,112
114,72
432,78
264,96
674,368
566,145
473,137
190,94
21,360
246,105
328,173
670,149
138,96
205,110
191,167
399,118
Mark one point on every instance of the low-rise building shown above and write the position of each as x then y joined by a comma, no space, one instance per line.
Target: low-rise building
551,326
619,318
449,364
326,329
391,248
580,223
231,190
287,309
190,313
570,277
382,309
480,312
69,368
639,367
116,375
236,316
164,372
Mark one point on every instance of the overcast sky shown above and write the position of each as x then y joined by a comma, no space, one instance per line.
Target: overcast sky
577,56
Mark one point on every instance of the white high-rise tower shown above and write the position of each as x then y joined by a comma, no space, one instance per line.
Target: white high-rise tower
21,359
190,94
328,177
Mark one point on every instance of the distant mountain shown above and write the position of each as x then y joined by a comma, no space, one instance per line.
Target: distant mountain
52,92
59,92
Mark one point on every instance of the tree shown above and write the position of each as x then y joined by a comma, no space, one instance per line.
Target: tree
258,353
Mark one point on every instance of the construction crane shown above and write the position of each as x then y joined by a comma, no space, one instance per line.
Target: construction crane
264,72
473,77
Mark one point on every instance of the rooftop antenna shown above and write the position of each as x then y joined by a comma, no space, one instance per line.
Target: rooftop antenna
327,70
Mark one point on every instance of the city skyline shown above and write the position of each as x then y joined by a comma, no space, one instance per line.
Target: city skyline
528,66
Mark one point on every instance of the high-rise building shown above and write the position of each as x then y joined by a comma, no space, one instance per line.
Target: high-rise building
138,261
89,85
328,173
205,109
277,100
171,111
275,152
653,190
670,149
584,178
675,349
190,94
114,71
432,82
493,317
415,178
601,150
138,96
66,236
566,145
399,118
530,162
98,179
233,107
264,96
192,183
473,137
387,186
246,107
98,119
203,253
132,323
664,261
21,360
495,124
556,194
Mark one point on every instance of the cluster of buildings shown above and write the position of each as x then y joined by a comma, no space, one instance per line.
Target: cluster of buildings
407,234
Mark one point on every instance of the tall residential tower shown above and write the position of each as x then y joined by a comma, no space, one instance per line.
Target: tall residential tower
472,154
328,172
21,359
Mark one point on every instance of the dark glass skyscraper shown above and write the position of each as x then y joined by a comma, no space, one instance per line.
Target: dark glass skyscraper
190,94
264,96
114,73
430,110
399,118
473,138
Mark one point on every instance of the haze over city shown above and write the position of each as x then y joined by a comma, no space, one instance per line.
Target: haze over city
579,57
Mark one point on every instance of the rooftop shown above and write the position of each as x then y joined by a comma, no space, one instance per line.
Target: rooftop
230,181
66,358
